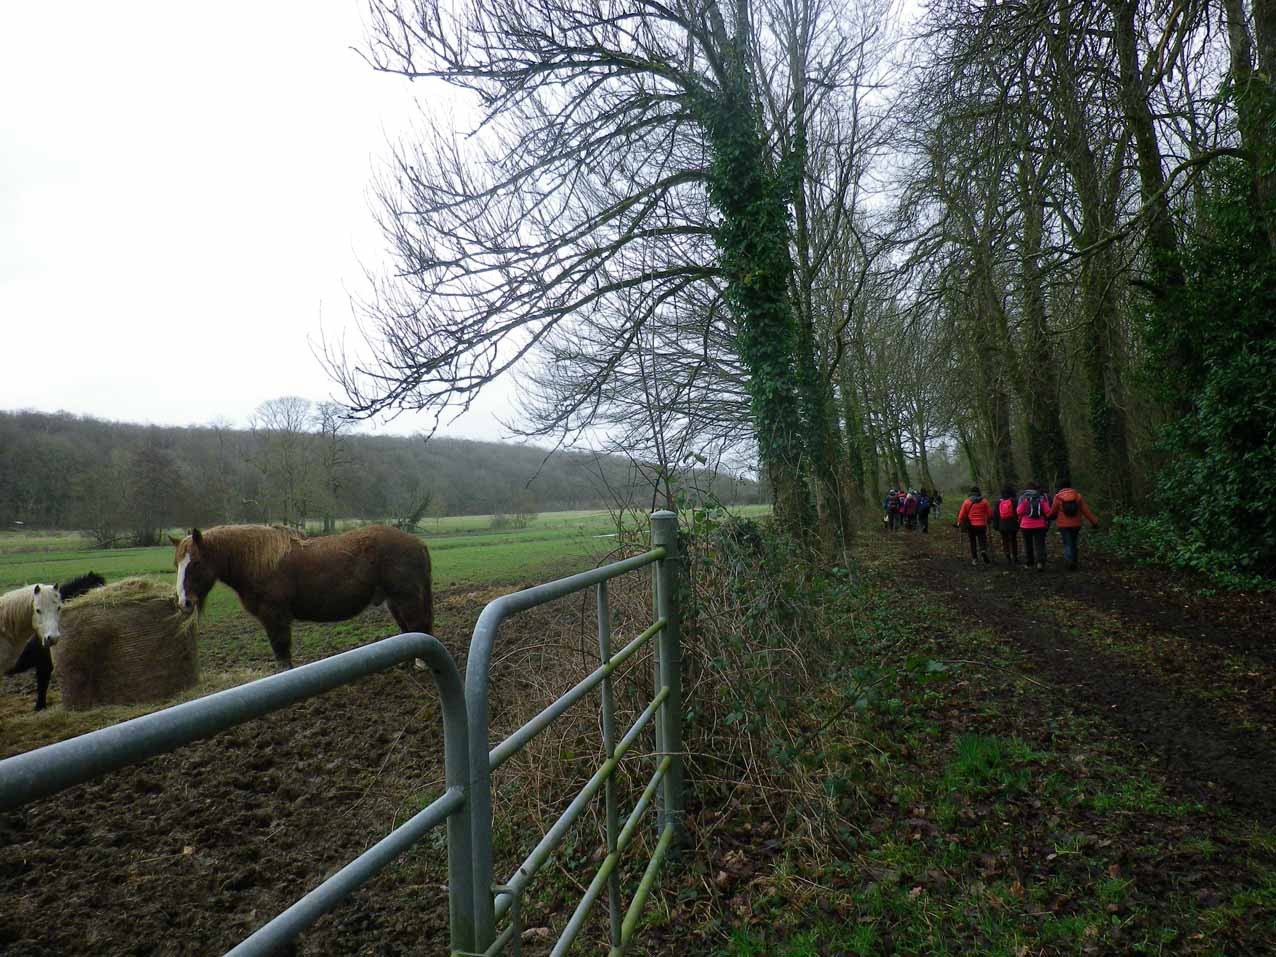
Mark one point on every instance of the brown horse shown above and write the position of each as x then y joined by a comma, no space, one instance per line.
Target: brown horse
281,576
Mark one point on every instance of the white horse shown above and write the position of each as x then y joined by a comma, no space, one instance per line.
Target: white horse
24,612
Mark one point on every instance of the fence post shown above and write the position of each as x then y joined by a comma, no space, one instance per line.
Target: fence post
664,532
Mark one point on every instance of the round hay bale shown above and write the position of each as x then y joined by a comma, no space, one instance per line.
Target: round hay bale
125,643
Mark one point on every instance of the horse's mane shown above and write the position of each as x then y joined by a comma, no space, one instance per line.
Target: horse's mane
78,586
15,612
250,551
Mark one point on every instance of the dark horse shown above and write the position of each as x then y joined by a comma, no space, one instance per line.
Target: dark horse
281,576
36,654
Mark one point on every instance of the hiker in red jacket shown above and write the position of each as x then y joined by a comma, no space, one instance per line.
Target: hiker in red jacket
1034,518
1007,522
1068,510
973,517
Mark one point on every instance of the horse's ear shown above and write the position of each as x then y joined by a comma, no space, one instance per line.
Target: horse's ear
37,590
196,537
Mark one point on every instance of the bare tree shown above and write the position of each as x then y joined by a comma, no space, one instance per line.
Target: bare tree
281,427
333,459
626,158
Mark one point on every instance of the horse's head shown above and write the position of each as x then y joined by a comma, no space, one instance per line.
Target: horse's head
195,574
46,613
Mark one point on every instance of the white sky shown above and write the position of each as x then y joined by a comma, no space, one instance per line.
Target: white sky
183,193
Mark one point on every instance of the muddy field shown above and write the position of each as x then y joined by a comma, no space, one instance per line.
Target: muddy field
190,852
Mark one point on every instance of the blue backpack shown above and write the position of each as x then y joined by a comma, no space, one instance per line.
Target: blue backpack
923,503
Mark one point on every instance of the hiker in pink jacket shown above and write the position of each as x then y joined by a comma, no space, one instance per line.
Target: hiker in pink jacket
1034,519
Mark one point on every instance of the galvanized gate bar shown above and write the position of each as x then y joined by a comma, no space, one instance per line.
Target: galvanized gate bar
608,705
270,938
51,769
519,739
503,940
466,803
56,767
541,853
644,889
608,872
478,664
648,794
664,534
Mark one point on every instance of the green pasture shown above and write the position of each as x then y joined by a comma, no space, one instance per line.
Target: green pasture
465,550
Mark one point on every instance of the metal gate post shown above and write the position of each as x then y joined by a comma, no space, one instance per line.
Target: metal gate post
477,664
664,533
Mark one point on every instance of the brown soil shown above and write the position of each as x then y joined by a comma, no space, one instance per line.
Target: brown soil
1186,671
190,852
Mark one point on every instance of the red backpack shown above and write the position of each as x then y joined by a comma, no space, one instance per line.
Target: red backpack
1006,509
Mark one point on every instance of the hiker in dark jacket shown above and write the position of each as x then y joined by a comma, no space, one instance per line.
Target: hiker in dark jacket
891,507
1007,522
1068,509
974,516
923,510
1033,512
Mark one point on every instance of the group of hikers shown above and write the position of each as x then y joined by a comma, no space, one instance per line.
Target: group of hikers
911,508
1029,513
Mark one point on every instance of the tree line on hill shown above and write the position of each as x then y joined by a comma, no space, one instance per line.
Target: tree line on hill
127,483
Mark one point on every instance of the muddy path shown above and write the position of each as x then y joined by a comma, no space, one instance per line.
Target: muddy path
1186,672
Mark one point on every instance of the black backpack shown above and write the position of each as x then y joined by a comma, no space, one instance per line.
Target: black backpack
1036,504
1071,506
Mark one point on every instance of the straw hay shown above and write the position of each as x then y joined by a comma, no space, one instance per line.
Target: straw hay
125,643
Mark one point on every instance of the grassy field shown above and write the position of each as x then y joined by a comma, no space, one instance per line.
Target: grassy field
466,552
463,548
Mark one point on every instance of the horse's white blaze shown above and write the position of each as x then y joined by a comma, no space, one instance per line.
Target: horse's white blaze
181,580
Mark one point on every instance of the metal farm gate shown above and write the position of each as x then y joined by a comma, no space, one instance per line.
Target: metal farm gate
477,903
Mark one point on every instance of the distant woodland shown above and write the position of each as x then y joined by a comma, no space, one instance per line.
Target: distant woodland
299,461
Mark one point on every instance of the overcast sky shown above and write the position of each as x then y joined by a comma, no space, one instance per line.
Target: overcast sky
183,194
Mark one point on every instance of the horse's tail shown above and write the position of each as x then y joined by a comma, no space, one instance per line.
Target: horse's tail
427,597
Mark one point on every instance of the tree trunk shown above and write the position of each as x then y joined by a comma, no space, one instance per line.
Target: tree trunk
853,428
1101,352
966,441
753,240
1256,100
927,480
901,462
1048,457
814,390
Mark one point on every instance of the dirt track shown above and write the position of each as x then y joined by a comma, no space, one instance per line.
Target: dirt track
1189,675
